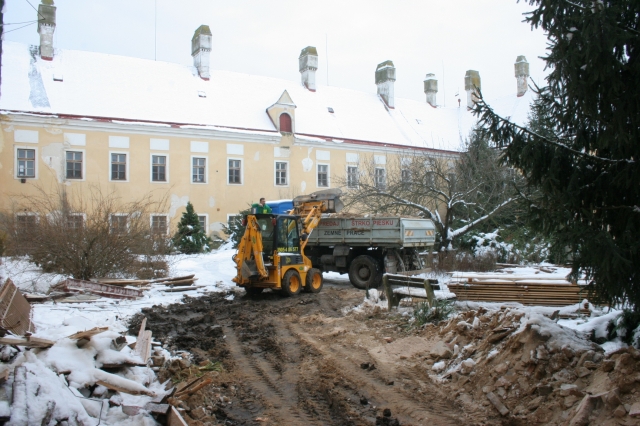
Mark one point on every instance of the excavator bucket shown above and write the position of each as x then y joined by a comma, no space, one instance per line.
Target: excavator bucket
330,199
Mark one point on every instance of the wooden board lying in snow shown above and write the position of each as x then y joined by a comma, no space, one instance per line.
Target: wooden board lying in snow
105,290
87,334
15,310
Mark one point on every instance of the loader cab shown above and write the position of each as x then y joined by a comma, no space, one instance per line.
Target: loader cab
280,233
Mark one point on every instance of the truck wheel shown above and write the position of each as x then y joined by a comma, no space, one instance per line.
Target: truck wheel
291,283
253,291
314,281
364,272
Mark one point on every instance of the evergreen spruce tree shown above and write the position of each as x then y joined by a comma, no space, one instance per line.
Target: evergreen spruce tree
191,238
582,147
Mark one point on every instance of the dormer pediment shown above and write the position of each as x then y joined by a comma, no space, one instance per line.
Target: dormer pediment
284,105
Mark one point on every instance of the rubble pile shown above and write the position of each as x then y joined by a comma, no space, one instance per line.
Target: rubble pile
525,368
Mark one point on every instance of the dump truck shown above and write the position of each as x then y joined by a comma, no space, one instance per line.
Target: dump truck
271,253
365,246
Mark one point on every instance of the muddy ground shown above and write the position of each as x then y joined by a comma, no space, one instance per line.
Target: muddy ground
311,360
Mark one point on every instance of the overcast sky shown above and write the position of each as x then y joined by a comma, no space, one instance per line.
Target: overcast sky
264,37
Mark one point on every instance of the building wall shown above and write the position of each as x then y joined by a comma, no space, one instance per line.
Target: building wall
216,198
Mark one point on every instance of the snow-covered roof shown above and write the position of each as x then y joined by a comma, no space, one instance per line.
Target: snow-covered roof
90,84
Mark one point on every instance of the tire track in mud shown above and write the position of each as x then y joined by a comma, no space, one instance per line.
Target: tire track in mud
402,402
277,389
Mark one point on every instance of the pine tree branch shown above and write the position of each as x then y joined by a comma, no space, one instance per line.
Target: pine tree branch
584,9
482,105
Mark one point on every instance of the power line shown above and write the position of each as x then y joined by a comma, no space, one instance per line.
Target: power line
35,9
19,28
18,23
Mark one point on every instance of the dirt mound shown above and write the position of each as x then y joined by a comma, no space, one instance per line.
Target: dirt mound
528,369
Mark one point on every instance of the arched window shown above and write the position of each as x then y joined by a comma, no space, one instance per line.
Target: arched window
285,123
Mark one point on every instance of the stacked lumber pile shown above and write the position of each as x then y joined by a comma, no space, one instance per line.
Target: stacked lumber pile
174,284
549,290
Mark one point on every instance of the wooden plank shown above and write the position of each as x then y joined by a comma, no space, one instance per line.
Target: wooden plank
124,389
143,343
29,342
193,386
120,384
15,310
87,334
188,281
178,289
184,277
19,398
175,419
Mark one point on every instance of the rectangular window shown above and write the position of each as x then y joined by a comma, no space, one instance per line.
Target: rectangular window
75,221
352,176
159,224
74,165
25,223
118,166
27,163
118,224
281,173
203,222
405,176
323,175
159,168
235,171
381,178
199,169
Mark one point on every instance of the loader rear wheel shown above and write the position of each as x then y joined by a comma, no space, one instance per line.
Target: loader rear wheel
364,272
291,283
314,281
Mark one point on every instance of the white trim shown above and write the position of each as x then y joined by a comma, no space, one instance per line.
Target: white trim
119,214
166,167
380,160
25,136
152,215
352,157
206,169
206,222
126,171
241,171
323,155
235,149
75,139
199,147
275,174
119,142
15,161
357,166
84,165
328,175
159,144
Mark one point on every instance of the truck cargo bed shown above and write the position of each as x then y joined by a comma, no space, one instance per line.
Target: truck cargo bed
392,231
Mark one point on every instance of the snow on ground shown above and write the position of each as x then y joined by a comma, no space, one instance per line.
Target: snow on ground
56,321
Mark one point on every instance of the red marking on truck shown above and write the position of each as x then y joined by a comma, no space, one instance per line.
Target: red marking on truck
360,223
383,222
330,223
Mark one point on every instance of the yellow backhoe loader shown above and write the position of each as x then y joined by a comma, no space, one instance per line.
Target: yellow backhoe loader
271,251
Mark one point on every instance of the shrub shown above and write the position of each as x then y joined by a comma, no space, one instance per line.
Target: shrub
423,313
191,238
83,235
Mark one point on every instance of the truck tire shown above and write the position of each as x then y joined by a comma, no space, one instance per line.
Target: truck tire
291,283
364,272
314,281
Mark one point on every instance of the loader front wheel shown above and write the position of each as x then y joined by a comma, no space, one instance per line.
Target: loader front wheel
291,283
364,273
314,281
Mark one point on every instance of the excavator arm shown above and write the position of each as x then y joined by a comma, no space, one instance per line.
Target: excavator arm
249,261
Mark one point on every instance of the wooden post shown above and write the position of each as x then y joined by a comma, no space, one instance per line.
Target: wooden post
387,291
430,294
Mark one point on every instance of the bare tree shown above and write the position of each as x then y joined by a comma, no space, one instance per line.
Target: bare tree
457,192
86,233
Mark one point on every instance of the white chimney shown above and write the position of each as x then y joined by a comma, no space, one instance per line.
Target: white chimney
431,89
46,28
472,86
201,50
385,76
522,74
308,64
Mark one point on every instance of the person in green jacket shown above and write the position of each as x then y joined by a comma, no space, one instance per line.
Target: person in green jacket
261,207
